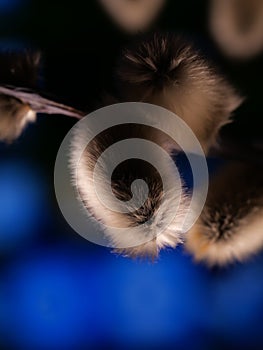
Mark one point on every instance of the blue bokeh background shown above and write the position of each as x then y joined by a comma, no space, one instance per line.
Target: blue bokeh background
58,291
67,293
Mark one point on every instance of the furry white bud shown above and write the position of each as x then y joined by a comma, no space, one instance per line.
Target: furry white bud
165,70
230,227
14,116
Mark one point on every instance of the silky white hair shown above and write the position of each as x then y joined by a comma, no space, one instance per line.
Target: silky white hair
14,116
165,70
230,227
155,212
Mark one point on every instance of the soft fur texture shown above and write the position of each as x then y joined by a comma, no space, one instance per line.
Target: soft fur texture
231,225
14,116
237,26
151,235
165,70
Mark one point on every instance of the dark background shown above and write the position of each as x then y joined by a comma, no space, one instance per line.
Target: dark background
57,290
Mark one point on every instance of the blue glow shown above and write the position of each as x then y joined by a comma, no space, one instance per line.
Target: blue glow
22,203
67,298
238,304
153,303
50,303
63,299
3,312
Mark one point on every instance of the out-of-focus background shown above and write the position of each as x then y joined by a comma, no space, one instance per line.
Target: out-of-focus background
57,290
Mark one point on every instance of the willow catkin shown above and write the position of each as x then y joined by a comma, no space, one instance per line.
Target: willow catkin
165,70
146,221
14,116
230,227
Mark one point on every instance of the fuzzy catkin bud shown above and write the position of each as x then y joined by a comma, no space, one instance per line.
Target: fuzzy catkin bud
165,70
230,227
14,116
